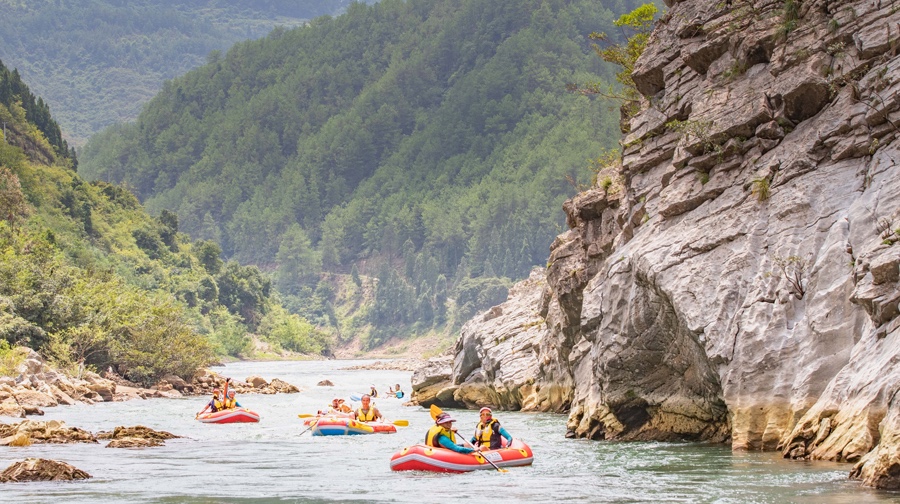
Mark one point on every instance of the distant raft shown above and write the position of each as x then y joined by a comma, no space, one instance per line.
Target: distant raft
343,426
426,458
236,415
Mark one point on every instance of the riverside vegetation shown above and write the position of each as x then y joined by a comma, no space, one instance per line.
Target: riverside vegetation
89,278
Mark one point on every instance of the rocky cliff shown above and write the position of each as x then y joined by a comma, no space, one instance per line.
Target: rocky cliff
743,285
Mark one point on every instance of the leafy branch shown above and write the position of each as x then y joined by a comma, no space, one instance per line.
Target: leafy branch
640,23
793,270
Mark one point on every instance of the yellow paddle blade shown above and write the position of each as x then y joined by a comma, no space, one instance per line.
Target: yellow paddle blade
435,411
401,423
305,415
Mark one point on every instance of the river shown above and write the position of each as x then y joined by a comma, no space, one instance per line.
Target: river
271,461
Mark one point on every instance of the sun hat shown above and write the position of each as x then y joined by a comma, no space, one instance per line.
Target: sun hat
444,418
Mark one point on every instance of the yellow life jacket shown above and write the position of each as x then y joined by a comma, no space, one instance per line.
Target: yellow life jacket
364,416
485,435
431,439
230,403
218,405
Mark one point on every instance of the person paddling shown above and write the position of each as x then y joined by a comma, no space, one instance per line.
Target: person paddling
367,412
214,405
442,435
398,392
488,431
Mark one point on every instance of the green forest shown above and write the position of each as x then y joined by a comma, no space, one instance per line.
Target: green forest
428,144
86,274
99,61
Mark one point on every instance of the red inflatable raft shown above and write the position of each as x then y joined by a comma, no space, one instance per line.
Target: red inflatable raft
230,416
426,458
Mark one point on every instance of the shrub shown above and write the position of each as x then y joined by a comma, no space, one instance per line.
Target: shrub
760,188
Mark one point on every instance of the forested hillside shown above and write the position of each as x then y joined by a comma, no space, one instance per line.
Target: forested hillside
97,62
86,273
429,143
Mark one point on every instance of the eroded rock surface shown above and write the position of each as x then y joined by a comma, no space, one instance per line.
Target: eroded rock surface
135,437
50,432
38,469
743,287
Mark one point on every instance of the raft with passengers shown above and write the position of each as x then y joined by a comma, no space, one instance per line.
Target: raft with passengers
338,419
224,409
491,447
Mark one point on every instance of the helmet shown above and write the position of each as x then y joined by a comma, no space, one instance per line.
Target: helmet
482,410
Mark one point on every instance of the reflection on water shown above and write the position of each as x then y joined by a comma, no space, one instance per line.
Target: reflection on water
273,462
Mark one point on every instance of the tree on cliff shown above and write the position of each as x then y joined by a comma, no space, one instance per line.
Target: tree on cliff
640,23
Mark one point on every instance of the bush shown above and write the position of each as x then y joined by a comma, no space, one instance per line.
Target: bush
294,333
10,359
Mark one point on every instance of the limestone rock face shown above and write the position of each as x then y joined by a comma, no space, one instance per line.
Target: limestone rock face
38,469
743,286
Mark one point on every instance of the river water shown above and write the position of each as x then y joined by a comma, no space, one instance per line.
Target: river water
274,461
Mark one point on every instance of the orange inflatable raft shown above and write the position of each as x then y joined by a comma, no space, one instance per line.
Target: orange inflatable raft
344,426
235,415
426,458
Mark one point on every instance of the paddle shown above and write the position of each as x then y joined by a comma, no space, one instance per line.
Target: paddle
499,469
306,415
311,425
401,423
436,411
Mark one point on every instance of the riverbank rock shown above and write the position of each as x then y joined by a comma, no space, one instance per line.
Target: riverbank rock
38,386
390,365
325,383
742,285
50,432
38,469
257,381
206,380
135,437
17,439
11,409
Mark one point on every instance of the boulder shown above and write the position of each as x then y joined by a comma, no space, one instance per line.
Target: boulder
105,389
135,437
325,383
257,381
176,382
33,398
11,409
49,432
38,469
17,439
283,387
134,443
